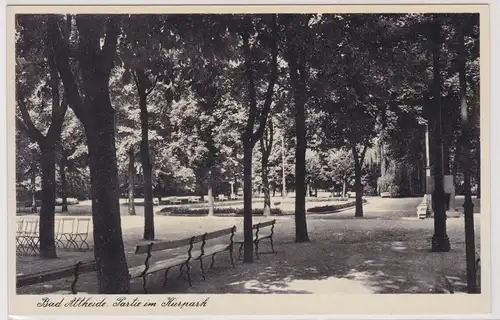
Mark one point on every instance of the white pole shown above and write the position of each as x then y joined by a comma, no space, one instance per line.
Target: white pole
283,192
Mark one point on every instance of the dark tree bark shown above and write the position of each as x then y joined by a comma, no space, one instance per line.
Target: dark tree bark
47,144
470,247
298,76
247,202
95,111
131,182
47,242
358,186
64,181
250,137
141,81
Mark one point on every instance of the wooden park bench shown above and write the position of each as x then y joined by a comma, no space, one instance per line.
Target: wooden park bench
193,253
74,271
258,237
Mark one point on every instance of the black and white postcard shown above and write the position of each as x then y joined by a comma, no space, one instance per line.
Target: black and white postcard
248,160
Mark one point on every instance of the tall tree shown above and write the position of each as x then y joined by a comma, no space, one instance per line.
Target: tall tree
31,92
256,116
296,42
146,57
88,95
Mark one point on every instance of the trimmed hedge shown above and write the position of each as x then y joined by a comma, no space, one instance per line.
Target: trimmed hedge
333,208
217,211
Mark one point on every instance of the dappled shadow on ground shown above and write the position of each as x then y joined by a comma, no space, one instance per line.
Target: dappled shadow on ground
388,261
344,256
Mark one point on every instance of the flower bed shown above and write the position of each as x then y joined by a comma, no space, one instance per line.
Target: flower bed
183,211
332,208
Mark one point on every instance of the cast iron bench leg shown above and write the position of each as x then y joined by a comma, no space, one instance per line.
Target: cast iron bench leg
166,278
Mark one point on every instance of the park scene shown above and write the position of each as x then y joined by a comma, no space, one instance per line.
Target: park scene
247,153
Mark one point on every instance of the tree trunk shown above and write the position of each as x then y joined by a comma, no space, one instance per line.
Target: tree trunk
64,183
131,182
300,168
470,247
147,168
343,188
358,188
265,176
247,202
47,243
112,269
97,114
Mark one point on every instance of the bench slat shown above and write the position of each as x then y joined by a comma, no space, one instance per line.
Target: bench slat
220,233
159,246
214,249
136,272
141,249
61,273
264,224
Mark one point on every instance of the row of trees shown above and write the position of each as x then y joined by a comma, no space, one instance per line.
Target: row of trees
193,95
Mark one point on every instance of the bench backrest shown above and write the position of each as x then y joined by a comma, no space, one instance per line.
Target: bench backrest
257,227
261,225
166,245
147,249
56,274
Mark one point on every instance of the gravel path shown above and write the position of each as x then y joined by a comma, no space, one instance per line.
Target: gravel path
344,256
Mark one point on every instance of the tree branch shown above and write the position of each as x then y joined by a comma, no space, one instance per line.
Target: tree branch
138,86
272,80
111,41
60,47
31,130
152,86
251,88
54,132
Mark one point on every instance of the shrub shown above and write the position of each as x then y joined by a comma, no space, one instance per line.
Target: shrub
183,211
333,208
